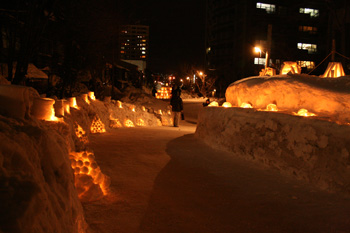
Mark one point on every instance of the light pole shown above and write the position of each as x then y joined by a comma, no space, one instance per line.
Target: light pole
258,50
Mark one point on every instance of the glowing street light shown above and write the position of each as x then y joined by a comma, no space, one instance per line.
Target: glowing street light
258,50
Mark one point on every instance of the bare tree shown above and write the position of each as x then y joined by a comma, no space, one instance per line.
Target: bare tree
205,84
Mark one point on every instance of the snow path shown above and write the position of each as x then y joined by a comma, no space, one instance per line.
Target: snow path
163,179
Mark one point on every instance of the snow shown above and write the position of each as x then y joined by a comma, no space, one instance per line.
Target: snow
315,149
48,168
326,97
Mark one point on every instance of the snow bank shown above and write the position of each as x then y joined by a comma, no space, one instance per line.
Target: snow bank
46,167
310,149
37,182
326,97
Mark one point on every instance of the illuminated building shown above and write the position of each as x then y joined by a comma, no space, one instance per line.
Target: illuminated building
134,41
290,30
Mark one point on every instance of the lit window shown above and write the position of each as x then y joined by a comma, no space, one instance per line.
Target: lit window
143,48
270,8
259,61
312,12
311,48
143,40
143,52
308,64
309,29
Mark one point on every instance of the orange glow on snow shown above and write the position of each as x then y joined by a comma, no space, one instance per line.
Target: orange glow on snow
143,108
73,103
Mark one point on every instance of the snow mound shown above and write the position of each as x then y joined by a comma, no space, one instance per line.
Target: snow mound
326,97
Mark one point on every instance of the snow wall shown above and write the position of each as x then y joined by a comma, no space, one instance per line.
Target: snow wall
309,149
40,192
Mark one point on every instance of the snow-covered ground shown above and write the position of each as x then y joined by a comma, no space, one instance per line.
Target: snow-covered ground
315,148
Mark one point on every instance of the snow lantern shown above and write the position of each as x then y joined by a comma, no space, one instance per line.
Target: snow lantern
66,107
271,108
43,109
334,70
227,105
115,123
246,105
91,95
214,104
128,123
305,113
97,126
143,108
267,72
290,67
84,165
72,102
59,107
119,104
81,134
140,122
132,107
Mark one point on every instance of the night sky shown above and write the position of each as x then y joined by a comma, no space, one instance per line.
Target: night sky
176,32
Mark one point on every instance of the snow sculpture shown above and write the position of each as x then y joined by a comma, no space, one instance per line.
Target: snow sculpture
43,109
90,182
97,126
325,97
16,101
334,70
85,98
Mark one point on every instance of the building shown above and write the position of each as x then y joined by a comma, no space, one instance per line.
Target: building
288,30
134,44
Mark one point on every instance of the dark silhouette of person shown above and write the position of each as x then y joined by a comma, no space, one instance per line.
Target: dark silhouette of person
207,102
177,106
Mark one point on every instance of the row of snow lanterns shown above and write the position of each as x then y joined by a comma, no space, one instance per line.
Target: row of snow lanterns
269,107
49,109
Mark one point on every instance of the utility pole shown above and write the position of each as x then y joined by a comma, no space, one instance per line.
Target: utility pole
268,49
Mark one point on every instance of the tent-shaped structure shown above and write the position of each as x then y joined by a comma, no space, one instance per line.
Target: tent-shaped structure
290,67
334,70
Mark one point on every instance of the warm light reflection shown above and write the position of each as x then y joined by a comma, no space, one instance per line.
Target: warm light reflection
128,123
143,108
97,126
83,163
305,113
246,105
227,105
271,107
214,104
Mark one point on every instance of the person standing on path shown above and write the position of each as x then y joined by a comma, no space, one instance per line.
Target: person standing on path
176,104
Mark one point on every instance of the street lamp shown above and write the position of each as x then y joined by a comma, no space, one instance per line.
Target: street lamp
258,50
